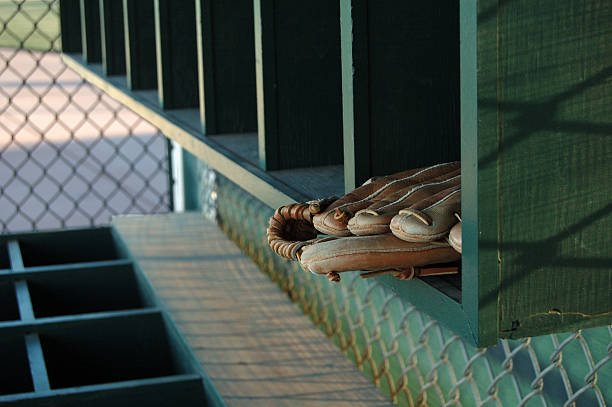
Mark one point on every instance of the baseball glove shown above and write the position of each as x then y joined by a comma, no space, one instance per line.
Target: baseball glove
418,206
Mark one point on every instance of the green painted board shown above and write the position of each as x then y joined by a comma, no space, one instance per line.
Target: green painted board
536,140
140,58
38,368
182,390
479,183
554,159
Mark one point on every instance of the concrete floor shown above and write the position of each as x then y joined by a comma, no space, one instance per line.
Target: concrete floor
69,155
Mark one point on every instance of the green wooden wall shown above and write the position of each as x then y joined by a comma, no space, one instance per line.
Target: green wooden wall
544,159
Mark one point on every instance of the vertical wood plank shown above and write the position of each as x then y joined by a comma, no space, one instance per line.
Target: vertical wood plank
140,60
70,26
175,38
226,66
24,301
355,99
206,72
480,277
90,31
267,128
38,369
298,83
113,40
15,256
22,293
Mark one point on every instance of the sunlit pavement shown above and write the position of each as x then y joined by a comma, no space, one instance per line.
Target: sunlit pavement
67,151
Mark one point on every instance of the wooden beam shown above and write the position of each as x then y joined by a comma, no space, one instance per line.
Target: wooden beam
180,390
36,358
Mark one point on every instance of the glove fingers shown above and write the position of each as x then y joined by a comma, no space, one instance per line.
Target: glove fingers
376,218
371,253
334,220
415,192
429,219
454,237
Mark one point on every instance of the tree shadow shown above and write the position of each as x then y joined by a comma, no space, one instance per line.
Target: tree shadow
546,253
532,117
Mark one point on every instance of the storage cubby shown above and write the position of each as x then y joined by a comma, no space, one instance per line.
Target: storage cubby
71,292
177,68
109,350
9,309
299,100
70,25
112,37
5,262
14,366
71,246
226,66
400,85
90,31
139,29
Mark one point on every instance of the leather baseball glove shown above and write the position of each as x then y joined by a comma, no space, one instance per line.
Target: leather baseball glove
417,206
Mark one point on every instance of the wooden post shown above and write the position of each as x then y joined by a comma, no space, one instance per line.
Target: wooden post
355,106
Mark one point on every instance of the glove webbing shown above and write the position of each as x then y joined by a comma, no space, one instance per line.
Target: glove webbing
291,227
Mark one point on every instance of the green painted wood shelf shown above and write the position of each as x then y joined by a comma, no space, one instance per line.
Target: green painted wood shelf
521,94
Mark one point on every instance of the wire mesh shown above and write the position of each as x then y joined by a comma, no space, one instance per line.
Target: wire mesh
408,355
70,156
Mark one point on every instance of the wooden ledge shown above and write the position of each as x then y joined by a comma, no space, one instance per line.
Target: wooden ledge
257,348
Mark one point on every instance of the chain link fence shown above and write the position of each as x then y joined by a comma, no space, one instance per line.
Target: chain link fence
70,156
408,355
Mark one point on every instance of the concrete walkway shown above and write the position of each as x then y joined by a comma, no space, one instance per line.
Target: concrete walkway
71,156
